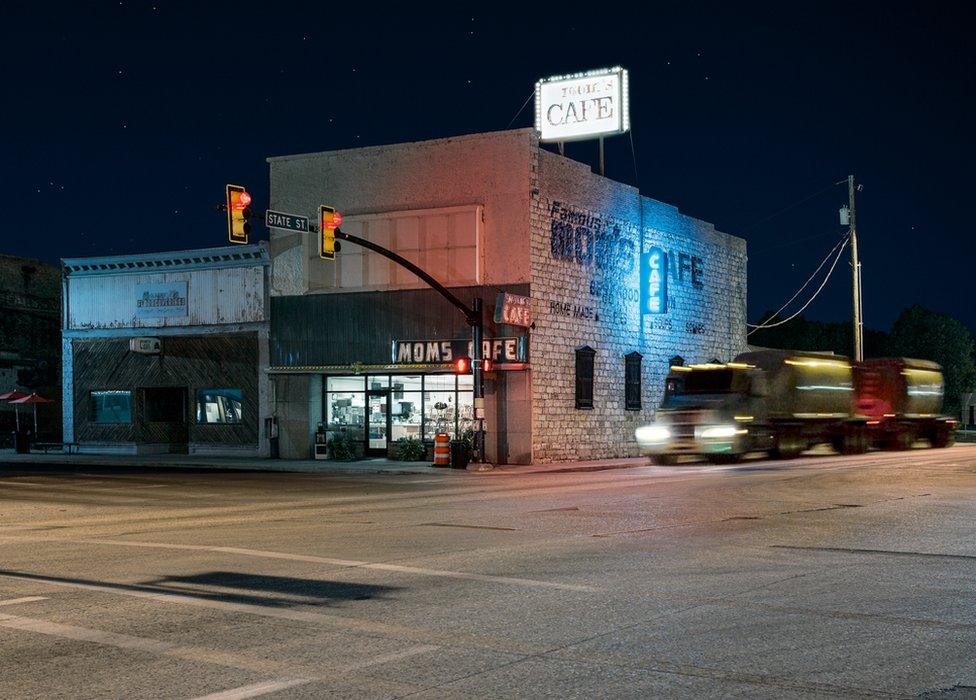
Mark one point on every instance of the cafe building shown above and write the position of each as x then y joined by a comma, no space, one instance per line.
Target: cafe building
166,352
591,291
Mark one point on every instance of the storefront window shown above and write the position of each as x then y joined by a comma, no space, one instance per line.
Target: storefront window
345,406
402,383
418,406
378,382
111,407
465,412
345,383
405,413
219,406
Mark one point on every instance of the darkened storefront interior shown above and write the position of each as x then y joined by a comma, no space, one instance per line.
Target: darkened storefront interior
200,390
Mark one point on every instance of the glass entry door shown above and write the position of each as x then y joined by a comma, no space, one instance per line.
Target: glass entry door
378,425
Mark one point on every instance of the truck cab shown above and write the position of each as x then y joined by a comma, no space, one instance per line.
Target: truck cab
708,410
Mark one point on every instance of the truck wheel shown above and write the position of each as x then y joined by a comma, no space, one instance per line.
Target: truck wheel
788,445
900,439
943,436
664,460
854,440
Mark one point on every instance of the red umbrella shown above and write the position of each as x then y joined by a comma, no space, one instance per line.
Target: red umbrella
32,399
10,396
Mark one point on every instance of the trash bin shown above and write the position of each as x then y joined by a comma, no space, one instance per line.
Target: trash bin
460,456
22,442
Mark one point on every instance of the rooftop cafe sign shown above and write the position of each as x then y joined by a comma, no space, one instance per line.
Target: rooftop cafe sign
582,105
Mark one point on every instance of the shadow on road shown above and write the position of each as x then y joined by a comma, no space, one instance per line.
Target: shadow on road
245,588
231,587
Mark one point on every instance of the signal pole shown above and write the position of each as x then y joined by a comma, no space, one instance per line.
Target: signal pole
855,274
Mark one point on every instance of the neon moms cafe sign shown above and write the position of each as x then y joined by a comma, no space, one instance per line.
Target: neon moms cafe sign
654,281
582,105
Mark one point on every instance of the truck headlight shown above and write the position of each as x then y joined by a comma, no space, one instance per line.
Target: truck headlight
649,434
713,432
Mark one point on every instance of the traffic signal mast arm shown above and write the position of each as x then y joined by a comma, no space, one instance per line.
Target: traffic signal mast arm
473,316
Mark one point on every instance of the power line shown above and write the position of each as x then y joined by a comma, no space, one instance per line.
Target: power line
520,109
789,243
788,208
823,284
809,279
633,153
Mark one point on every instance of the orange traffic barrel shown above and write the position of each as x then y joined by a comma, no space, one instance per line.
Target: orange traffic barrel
442,450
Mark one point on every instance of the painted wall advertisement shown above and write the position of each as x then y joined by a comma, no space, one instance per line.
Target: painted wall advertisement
161,299
610,249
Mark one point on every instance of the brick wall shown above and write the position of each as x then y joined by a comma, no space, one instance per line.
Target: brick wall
587,233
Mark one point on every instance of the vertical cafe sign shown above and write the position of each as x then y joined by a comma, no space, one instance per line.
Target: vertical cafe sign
654,281
582,105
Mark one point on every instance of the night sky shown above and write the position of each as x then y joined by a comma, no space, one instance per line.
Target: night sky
123,120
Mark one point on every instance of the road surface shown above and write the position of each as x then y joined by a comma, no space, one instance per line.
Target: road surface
826,576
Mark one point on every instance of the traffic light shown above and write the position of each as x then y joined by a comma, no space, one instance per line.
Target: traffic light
329,221
238,213
462,365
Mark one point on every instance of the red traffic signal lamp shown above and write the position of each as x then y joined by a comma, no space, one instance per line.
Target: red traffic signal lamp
462,364
487,365
329,221
238,213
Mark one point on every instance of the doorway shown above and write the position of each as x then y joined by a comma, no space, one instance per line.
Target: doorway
377,422
165,418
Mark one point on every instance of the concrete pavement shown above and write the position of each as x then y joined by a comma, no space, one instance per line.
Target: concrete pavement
9,459
822,577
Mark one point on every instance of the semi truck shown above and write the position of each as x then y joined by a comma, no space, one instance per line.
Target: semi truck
784,402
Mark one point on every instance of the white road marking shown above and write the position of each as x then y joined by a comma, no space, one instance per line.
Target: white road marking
295,615
154,646
351,563
256,689
393,656
83,634
27,599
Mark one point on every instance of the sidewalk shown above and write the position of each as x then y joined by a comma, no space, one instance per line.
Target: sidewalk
8,458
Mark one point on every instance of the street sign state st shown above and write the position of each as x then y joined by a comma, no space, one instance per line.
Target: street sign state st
289,222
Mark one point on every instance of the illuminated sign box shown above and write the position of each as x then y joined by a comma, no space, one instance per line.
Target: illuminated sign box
583,105
654,281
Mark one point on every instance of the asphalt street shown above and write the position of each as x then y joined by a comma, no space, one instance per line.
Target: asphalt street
823,576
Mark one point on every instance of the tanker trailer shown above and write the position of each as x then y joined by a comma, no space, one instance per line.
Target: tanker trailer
810,399
902,400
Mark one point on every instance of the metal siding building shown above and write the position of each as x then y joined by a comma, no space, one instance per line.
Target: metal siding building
194,382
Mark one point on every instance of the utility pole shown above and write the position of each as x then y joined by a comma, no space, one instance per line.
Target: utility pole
477,369
855,274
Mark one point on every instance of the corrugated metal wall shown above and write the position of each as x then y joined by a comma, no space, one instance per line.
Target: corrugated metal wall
335,329
226,295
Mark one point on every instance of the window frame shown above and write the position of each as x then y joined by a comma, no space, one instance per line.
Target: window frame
632,381
585,359
213,389
93,412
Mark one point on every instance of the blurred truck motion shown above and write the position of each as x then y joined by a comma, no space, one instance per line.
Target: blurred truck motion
784,402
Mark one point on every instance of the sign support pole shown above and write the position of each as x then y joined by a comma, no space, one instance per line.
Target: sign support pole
477,334
603,172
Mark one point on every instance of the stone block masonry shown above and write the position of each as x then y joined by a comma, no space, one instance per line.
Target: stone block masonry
587,237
